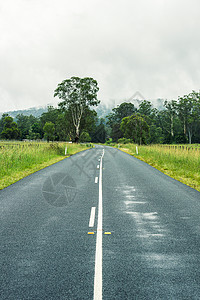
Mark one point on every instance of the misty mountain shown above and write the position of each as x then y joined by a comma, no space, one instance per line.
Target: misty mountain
35,111
102,109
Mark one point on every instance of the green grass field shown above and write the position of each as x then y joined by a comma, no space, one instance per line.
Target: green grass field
19,159
181,162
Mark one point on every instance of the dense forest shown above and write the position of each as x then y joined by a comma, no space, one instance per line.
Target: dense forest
178,122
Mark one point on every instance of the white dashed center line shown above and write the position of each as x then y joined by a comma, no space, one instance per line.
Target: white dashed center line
98,256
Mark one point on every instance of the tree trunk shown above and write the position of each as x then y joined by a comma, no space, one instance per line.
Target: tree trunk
76,117
184,127
77,134
172,129
190,136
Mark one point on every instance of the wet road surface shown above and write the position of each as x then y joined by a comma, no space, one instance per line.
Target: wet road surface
100,224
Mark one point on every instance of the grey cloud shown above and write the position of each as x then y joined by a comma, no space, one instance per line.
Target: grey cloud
151,46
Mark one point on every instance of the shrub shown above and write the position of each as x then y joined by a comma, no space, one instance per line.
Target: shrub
124,141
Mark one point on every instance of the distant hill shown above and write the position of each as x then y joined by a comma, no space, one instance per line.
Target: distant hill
102,109
35,111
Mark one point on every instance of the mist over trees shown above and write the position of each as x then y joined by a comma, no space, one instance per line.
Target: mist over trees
178,122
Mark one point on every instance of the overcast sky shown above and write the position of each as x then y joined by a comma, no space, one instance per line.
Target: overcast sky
150,46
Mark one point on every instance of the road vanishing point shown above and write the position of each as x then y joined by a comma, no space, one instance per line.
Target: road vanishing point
100,224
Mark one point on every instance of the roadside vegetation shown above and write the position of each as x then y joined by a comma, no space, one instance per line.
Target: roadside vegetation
19,159
176,122
181,162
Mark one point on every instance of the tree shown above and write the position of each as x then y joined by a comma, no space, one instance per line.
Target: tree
123,110
189,109
171,115
135,128
99,135
10,129
77,95
49,130
2,121
52,115
145,108
26,126
36,131
88,121
155,135
85,137
64,127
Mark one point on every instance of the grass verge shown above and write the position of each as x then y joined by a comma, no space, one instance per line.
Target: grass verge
179,162
20,159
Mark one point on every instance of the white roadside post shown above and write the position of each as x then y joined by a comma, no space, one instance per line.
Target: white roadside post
137,150
65,150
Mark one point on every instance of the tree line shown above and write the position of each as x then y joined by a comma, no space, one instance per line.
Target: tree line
178,122
54,125
73,120
76,120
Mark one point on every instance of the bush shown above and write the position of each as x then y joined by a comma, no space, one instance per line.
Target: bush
84,137
108,142
124,141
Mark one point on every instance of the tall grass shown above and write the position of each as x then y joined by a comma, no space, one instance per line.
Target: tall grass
181,162
19,159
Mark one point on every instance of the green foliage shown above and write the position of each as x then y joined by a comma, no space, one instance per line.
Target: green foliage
49,130
177,122
29,127
114,119
88,121
124,141
189,113
77,94
10,129
145,108
2,121
135,128
121,111
155,135
84,137
52,115
99,135
109,141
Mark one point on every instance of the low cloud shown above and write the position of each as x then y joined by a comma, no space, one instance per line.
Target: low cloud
127,46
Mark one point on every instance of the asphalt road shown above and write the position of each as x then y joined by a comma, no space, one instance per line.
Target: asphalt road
144,243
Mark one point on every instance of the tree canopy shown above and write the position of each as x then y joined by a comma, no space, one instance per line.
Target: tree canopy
77,94
10,130
177,122
135,128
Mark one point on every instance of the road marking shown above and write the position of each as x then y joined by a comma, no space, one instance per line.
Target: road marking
98,167
96,179
92,217
98,256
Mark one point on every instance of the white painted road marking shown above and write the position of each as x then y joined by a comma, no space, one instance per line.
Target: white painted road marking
92,217
96,179
98,167
98,256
